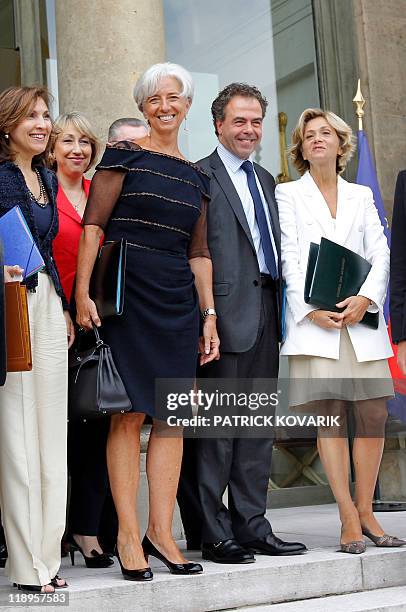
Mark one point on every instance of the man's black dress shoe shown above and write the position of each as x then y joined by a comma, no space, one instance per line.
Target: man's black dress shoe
227,551
272,545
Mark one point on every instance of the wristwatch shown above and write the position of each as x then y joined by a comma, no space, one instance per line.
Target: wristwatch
207,312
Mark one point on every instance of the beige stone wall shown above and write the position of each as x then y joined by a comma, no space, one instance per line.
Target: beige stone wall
381,33
103,46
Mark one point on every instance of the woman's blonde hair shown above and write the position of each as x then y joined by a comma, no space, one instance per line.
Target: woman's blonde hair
343,130
81,123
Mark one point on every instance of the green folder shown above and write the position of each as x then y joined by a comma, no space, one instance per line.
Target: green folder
333,274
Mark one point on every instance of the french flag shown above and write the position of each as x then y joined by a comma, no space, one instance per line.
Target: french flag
366,175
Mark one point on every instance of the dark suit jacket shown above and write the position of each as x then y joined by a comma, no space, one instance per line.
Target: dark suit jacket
398,262
237,287
13,192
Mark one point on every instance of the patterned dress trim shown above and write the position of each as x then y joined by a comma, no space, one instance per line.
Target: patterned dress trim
180,159
157,195
152,224
147,248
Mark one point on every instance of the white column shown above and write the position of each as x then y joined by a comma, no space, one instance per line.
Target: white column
103,47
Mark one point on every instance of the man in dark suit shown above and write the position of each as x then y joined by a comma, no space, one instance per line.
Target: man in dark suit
244,242
398,271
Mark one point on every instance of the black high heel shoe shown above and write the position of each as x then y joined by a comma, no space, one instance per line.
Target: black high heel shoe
139,575
174,568
97,560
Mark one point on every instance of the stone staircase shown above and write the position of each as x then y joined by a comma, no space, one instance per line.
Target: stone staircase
322,579
379,600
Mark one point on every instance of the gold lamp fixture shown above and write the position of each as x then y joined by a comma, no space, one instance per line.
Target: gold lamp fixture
283,177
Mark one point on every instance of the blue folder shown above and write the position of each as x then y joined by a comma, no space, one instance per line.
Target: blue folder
283,313
18,243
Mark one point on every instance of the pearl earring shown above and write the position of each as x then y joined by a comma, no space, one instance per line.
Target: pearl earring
185,128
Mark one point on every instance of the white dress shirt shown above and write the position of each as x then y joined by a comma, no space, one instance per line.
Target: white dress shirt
238,176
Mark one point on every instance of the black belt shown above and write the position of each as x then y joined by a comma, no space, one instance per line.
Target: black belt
268,281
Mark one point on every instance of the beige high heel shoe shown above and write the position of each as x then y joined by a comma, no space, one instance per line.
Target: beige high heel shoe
385,540
356,547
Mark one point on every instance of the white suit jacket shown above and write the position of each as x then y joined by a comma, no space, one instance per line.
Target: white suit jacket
305,218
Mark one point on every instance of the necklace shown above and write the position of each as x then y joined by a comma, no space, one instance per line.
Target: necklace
42,192
77,206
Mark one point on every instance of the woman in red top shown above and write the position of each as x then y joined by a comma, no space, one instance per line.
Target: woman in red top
74,151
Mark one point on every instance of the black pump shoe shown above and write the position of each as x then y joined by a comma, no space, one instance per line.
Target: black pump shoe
174,568
97,560
139,575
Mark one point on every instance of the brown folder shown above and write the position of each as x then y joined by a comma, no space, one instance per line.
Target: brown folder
18,339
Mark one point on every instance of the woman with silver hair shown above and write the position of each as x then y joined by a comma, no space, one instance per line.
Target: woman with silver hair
150,195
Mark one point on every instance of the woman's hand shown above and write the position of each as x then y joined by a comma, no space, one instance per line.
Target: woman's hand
70,328
209,343
10,272
355,308
326,319
86,312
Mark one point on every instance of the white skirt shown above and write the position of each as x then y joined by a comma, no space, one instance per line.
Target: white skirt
315,378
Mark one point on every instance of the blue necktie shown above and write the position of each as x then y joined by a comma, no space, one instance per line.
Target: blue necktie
261,219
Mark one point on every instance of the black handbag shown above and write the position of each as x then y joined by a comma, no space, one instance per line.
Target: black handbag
107,284
95,386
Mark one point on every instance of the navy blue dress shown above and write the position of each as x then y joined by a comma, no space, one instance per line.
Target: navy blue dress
160,211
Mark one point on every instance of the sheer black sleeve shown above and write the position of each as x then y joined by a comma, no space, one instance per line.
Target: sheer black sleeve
198,244
107,183
105,190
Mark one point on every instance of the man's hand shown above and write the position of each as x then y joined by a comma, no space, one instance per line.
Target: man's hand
402,356
355,308
326,319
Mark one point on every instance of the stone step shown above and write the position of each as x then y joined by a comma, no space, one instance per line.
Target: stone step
379,600
271,580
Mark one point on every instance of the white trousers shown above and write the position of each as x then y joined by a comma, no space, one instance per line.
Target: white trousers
33,433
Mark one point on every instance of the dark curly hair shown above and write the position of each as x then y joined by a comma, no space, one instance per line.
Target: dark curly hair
235,89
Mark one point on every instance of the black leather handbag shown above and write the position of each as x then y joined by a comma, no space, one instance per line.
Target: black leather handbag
95,386
107,284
